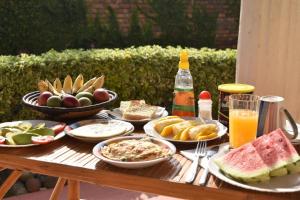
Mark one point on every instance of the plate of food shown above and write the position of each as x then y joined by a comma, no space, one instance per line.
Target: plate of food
96,130
137,112
268,164
70,100
185,130
28,133
134,152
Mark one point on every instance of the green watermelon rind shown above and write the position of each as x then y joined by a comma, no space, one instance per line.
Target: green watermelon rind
294,167
282,171
241,175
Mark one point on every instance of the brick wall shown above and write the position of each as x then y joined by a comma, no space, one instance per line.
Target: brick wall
227,28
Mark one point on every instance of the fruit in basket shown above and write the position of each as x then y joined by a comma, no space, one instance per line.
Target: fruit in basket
57,85
54,101
269,155
85,94
101,95
84,101
70,101
68,84
87,84
78,83
42,99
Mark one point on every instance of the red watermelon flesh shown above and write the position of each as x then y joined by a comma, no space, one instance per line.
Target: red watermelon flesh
275,149
255,161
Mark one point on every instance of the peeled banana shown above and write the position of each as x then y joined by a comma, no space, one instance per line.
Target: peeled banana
43,86
52,89
69,87
87,84
78,83
68,84
57,85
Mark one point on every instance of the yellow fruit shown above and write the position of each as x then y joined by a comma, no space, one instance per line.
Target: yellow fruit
57,85
98,82
200,130
167,131
168,117
160,125
87,85
51,88
78,83
68,84
185,134
176,137
42,86
210,136
178,128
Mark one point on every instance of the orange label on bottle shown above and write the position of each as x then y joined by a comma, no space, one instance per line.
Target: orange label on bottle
183,102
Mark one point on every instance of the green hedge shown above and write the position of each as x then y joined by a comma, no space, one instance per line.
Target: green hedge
134,73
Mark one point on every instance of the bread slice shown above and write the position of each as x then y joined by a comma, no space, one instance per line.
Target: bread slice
139,112
126,104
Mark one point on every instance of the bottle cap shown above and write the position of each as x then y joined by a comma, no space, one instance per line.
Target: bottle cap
204,95
184,60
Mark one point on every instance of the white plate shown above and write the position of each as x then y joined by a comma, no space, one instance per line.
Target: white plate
132,165
129,129
149,130
288,183
33,122
161,112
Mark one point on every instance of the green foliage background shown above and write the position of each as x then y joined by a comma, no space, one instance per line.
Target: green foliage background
36,26
134,73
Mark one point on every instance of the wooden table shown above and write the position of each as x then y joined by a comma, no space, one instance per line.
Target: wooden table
72,161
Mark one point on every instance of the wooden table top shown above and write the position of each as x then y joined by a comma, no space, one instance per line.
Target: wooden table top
73,159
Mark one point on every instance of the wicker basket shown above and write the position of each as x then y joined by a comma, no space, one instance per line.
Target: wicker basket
30,100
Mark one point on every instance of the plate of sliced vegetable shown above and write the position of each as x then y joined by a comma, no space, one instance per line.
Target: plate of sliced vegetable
28,133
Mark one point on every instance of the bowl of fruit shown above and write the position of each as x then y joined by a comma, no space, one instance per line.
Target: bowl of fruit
70,100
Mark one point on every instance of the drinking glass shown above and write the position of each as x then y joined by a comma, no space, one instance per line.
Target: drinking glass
243,119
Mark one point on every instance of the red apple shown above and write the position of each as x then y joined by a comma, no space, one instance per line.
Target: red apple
42,99
70,101
101,95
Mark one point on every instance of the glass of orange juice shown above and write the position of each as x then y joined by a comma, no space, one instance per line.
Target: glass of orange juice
243,119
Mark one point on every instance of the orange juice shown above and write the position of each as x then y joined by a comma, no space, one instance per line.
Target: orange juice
242,126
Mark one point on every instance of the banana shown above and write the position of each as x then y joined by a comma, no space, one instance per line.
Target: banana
87,84
57,85
51,88
78,83
67,87
89,89
99,82
43,86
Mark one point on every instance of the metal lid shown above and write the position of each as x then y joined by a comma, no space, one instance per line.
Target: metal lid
272,99
236,88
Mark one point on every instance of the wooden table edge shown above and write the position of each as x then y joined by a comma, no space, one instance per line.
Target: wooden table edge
126,181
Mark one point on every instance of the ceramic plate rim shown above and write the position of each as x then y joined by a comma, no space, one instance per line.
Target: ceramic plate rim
57,136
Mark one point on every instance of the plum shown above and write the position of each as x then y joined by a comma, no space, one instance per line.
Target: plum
70,101
42,99
101,95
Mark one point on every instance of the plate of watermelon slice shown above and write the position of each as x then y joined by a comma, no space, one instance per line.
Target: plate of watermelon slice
268,164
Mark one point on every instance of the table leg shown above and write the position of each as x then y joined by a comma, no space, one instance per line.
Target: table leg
73,190
58,188
13,177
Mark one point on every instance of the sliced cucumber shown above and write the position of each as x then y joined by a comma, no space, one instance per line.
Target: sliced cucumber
24,138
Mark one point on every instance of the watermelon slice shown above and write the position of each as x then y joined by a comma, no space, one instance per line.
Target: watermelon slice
269,155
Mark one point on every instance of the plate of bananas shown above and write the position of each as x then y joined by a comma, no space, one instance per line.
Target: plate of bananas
70,99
